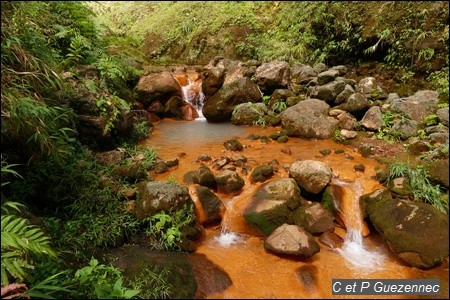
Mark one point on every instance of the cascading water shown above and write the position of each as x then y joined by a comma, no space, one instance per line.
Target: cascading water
192,93
191,90
354,250
226,237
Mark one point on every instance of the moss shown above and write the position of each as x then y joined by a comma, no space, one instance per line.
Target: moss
282,139
267,221
328,200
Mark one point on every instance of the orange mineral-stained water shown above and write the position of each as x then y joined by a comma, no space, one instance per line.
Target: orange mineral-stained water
239,251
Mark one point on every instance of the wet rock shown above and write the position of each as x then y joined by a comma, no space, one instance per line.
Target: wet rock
191,177
372,119
160,167
212,205
331,240
417,106
156,86
338,151
309,119
172,108
416,232
325,152
206,178
291,240
311,176
229,182
219,106
212,80
233,145
204,157
272,205
248,113
172,162
359,168
155,196
366,150
220,163
313,217
272,75
261,173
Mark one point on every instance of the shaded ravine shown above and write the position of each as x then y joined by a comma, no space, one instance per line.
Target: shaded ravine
254,272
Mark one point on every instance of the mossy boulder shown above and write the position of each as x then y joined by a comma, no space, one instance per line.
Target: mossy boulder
272,205
229,181
212,205
416,232
156,196
261,173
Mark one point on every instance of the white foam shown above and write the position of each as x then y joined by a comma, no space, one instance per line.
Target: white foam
226,239
358,256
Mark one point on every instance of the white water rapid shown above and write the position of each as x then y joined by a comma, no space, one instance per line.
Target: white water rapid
193,94
226,238
354,249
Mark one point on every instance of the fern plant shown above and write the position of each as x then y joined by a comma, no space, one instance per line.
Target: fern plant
19,241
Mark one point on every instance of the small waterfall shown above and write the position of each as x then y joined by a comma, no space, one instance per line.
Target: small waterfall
193,94
191,89
354,250
227,237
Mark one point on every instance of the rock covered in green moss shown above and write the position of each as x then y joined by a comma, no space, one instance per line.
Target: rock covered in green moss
156,196
417,232
261,173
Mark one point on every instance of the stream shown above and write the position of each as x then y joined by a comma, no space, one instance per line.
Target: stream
239,251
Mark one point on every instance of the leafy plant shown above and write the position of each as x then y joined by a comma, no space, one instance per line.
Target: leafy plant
167,227
260,122
279,106
419,183
19,240
102,282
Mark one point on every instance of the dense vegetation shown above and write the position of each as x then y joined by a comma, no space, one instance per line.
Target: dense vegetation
66,62
413,41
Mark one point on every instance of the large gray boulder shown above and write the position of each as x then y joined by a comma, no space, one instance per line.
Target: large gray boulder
310,175
219,107
356,103
442,114
156,196
309,119
417,232
417,106
329,91
372,119
302,74
272,75
292,240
